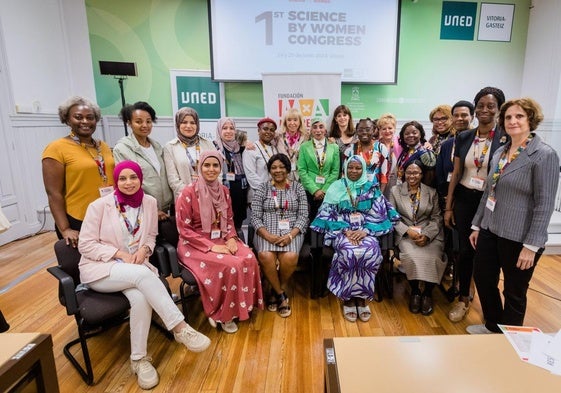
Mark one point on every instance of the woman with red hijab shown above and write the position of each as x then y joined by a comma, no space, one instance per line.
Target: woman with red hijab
225,268
116,239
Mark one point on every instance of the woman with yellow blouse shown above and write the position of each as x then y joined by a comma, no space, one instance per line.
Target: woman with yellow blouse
77,169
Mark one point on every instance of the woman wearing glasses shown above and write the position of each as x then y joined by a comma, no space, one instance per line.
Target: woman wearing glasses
419,236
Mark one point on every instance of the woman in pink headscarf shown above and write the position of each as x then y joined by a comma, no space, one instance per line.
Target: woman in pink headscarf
116,239
225,268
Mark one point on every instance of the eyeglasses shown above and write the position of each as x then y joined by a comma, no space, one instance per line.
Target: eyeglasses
268,129
439,119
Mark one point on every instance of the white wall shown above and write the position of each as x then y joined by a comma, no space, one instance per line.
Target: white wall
45,57
542,66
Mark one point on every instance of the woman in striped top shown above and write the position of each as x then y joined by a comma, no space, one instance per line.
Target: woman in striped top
280,218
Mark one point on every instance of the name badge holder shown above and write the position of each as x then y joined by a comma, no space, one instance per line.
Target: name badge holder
215,234
320,179
284,225
491,202
105,190
355,218
230,176
477,182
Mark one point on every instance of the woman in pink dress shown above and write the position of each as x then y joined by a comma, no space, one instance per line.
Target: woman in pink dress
225,268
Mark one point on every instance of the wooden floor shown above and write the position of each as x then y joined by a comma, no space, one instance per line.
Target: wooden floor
268,354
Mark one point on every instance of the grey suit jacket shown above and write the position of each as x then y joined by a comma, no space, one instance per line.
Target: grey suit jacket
428,214
525,195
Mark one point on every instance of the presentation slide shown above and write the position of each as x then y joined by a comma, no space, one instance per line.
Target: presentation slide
357,39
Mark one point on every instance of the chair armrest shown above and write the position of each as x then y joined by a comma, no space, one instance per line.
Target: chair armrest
316,239
171,253
386,241
160,261
67,294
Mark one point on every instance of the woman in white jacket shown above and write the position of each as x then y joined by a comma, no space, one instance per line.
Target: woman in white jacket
181,154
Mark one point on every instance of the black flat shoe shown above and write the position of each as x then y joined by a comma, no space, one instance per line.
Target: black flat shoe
426,305
415,304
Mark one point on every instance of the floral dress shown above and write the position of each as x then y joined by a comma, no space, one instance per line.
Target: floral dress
354,267
230,285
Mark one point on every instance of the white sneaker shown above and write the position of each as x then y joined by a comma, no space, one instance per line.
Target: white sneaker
458,312
478,329
193,340
147,376
229,327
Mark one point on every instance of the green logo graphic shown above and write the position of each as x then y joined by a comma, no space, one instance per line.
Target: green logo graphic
458,20
199,93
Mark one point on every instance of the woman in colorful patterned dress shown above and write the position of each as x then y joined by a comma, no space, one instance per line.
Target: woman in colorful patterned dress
354,212
225,268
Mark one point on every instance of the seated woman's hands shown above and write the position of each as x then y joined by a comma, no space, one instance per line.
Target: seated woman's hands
137,258
276,239
355,237
230,247
418,238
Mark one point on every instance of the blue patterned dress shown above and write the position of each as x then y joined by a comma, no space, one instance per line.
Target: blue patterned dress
353,268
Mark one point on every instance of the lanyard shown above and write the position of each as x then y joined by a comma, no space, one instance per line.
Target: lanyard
290,150
403,158
415,202
266,151
354,201
217,214
505,161
368,155
391,157
320,161
279,204
121,209
99,161
194,162
479,161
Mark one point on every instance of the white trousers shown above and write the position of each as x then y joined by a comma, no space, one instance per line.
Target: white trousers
145,292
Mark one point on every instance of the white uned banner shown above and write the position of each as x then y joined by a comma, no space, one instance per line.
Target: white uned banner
316,95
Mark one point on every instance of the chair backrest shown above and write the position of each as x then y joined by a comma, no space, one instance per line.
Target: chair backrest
68,259
168,231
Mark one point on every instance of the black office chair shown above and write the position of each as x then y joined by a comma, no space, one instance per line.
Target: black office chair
94,312
169,238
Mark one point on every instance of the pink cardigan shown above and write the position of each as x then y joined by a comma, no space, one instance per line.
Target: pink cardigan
101,236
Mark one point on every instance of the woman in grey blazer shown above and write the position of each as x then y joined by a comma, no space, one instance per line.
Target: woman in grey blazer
510,226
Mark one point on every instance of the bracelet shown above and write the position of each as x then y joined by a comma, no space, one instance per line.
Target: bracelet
448,210
290,236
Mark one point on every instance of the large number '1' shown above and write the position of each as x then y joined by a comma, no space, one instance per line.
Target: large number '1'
268,18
